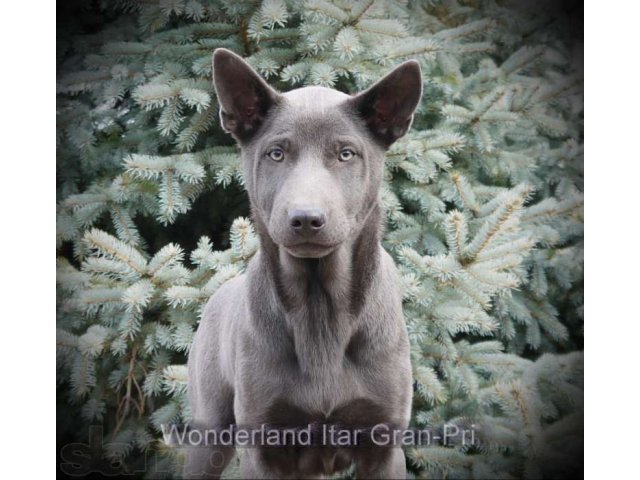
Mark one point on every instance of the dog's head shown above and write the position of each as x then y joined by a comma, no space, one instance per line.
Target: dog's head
313,157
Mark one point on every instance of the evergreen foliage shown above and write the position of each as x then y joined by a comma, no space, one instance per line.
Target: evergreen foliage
483,200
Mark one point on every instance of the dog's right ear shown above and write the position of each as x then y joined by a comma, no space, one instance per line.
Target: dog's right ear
244,97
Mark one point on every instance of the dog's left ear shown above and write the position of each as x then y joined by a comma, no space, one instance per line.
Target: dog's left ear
245,98
387,106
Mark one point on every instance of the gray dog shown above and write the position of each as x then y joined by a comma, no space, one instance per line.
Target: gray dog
313,332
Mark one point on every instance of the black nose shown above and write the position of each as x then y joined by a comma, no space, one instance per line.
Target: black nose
307,220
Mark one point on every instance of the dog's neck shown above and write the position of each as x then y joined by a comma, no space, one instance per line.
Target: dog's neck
320,297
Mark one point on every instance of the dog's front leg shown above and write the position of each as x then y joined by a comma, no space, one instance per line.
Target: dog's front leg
206,462
389,465
251,466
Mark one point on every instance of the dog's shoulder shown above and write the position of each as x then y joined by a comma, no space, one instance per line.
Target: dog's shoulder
213,343
390,276
225,298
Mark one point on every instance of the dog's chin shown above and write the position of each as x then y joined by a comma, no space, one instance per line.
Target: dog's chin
310,250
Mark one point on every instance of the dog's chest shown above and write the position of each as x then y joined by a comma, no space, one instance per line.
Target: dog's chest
324,442
355,412
326,361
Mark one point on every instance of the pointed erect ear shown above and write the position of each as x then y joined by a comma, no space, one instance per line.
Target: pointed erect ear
387,106
245,98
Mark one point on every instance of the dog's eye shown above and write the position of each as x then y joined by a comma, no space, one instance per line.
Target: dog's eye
346,154
277,154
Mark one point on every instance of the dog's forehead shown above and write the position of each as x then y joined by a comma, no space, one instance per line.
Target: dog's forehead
314,114
314,99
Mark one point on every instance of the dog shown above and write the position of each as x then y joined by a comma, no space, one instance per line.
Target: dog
313,332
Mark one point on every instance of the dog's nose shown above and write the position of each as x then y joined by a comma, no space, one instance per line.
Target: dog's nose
307,220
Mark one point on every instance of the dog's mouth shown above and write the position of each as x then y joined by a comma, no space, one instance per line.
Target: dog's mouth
310,249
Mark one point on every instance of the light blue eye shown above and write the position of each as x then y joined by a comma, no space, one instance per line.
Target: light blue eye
346,154
277,154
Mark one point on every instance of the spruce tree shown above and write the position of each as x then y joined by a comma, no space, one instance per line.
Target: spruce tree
483,202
